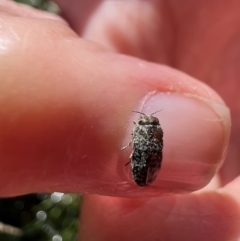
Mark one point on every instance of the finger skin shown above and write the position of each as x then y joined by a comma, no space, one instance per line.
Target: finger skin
65,107
207,216
196,44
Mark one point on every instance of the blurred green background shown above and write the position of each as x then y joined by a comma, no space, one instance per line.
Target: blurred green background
41,4
40,217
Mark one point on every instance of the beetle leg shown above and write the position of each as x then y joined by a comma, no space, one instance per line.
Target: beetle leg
126,145
127,163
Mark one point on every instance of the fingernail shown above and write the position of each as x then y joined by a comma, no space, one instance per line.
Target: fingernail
196,135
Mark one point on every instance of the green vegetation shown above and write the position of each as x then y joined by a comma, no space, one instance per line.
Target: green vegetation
41,4
40,217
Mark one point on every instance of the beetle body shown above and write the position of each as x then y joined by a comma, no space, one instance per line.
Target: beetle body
146,157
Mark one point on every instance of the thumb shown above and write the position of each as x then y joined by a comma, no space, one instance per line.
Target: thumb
65,113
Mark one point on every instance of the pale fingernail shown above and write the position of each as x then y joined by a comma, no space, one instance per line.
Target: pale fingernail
196,135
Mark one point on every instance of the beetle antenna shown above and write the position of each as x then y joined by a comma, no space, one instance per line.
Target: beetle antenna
138,112
155,112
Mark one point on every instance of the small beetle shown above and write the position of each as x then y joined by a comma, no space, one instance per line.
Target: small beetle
146,157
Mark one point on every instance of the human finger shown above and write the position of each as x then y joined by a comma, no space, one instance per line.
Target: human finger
212,215
66,112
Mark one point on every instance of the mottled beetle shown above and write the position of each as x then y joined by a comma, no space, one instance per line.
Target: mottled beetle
146,157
